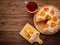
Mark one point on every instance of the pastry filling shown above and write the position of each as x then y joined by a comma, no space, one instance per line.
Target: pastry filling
31,35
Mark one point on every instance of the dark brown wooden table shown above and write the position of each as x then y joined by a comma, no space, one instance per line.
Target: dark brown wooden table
13,17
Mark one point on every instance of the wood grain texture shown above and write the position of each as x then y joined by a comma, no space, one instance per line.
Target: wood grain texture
13,17
14,37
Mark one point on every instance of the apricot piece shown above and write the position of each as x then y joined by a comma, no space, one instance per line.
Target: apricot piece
54,19
53,25
52,13
27,35
31,32
42,13
45,9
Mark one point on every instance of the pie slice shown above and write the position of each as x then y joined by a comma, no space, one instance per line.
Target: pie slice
30,34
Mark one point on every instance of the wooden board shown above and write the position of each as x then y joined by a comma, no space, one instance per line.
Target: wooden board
13,17
30,34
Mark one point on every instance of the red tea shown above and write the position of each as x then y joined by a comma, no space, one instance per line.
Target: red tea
31,6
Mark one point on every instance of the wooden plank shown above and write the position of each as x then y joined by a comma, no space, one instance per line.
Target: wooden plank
15,7
9,36
12,7
12,27
10,43
16,43
14,23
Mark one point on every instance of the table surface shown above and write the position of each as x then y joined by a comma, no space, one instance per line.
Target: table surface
13,17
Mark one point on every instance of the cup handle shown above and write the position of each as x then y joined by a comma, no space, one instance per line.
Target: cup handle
26,2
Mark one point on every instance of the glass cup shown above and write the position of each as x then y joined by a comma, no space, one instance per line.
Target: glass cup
31,7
